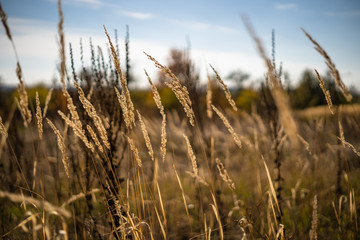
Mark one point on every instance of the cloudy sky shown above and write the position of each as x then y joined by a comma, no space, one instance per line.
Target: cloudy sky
214,28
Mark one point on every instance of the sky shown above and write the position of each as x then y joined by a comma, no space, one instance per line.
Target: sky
214,29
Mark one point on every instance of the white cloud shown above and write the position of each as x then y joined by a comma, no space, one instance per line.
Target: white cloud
38,51
95,4
355,13
137,15
89,3
201,26
285,6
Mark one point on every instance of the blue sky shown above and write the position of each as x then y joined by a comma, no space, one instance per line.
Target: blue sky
215,29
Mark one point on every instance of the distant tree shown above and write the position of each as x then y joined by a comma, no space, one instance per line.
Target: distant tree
180,64
238,77
308,93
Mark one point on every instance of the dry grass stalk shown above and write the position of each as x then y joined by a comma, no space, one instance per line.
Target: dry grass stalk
344,143
280,233
39,116
115,200
161,225
209,98
50,208
183,98
91,111
271,229
125,111
21,112
314,221
272,189
306,144
224,175
191,156
225,88
336,215
286,117
95,138
353,212
161,203
62,147
24,102
146,136
135,151
182,193
349,145
22,224
4,22
154,90
198,178
3,130
229,127
47,100
326,92
61,45
90,93
280,98
341,134
180,91
72,109
163,137
216,212
79,196
333,70
125,90
159,105
78,131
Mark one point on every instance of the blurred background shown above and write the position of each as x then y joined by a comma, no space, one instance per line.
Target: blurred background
212,32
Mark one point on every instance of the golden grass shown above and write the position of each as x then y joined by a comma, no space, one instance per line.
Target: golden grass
191,156
42,204
62,147
91,111
125,91
225,88
113,194
228,125
314,221
78,131
333,70
326,92
224,175
146,136
159,105
180,91
323,111
39,116
3,130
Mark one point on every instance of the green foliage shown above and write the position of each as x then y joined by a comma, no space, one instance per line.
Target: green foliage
247,98
308,93
168,98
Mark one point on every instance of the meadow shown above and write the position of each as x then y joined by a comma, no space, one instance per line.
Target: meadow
93,159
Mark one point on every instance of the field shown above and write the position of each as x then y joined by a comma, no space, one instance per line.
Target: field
93,159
